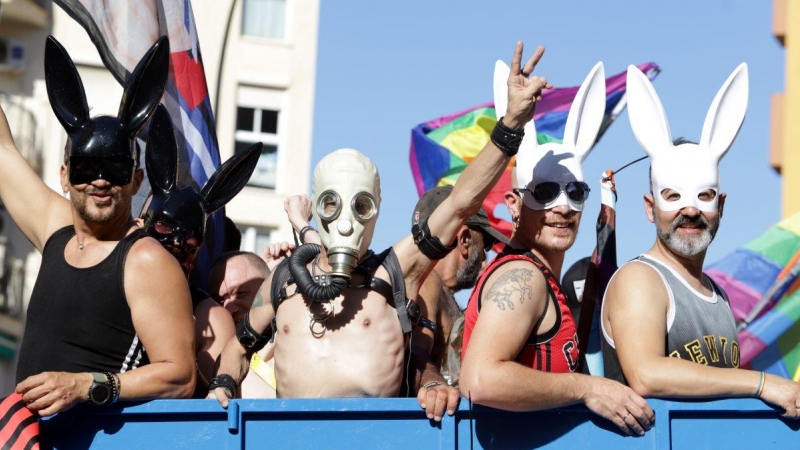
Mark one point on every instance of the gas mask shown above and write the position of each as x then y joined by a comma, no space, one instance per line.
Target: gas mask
346,197
551,174
688,169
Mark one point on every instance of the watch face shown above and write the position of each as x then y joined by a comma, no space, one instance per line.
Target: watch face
99,394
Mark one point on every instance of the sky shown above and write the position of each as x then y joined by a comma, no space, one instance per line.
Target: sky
384,67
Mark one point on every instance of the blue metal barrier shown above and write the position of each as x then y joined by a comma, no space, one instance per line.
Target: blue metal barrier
400,424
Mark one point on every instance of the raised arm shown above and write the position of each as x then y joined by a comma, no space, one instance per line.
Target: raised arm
37,210
481,174
513,302
638,330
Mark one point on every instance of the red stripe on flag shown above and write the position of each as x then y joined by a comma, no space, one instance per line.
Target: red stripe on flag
28,434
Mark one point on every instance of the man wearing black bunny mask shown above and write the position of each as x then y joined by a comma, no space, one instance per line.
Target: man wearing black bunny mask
105,291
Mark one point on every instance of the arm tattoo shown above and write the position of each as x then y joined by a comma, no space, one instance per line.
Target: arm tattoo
513,284
259,300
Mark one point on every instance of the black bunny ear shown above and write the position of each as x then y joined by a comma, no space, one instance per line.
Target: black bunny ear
230,178
64,87
161,158
145,87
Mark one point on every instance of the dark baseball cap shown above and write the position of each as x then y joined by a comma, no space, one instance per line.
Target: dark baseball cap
478,222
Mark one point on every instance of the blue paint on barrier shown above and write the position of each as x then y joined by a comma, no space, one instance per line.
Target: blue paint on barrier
401,424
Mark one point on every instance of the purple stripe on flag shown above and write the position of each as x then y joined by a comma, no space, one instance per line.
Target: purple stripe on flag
742,297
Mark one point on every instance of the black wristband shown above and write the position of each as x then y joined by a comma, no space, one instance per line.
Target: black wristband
506,139
248,337
303,232
224,381
430,246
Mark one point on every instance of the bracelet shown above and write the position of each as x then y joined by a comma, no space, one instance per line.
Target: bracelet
224,381
761,385
119,387
432,384
112,384
506,139
303,232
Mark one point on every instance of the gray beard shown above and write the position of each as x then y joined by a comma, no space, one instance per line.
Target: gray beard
690,245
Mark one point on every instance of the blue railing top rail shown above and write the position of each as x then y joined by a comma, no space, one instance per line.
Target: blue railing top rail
400,423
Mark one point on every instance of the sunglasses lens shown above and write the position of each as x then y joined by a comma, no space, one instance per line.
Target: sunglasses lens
577,191
117,172
83,170
546,192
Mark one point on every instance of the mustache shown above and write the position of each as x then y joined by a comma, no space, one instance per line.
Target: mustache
95,190
694,220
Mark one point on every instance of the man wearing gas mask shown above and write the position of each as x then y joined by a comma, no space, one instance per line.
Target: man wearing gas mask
104,291
668,329
339,324
520,349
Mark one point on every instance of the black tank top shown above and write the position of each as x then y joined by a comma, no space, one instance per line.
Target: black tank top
78,318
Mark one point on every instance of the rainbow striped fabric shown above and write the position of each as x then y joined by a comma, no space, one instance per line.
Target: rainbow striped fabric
770,342
442,148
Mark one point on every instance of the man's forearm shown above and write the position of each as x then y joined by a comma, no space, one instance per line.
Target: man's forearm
513,387
673,377
158,380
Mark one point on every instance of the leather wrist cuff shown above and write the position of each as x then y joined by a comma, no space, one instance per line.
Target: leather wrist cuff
303,232
430,246
224,381
506,139
247,336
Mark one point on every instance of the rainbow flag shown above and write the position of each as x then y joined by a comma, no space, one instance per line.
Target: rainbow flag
442,148
769,343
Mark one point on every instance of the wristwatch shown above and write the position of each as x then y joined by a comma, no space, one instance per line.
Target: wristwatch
99,391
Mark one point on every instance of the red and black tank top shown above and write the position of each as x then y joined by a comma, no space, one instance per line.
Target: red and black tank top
554,350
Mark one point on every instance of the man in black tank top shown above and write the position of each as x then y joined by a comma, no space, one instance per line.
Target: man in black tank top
668,330
110,314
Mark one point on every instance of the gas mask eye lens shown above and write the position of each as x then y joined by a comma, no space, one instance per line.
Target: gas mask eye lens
364,206
328,205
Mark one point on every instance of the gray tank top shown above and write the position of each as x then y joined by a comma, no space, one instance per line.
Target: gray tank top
699,328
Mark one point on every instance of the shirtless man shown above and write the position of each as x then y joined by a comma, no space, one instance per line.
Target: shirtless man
436,345
668,328
520,348
342,340
85,324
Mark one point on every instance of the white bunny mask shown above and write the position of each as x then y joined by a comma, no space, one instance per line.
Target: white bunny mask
561,163
688,169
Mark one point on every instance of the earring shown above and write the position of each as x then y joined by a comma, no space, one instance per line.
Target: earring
65,194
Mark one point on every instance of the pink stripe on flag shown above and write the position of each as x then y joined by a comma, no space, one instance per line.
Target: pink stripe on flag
742,296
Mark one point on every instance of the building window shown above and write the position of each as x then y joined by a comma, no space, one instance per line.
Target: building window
254,239
264,18
259,125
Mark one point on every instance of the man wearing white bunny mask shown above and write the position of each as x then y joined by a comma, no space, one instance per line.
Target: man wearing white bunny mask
521,352
665,288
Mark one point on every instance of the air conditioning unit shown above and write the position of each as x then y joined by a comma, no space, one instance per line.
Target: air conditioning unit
12,54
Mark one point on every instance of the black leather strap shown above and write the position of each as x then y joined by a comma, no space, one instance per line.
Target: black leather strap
429,245
506,139
224,381
250,338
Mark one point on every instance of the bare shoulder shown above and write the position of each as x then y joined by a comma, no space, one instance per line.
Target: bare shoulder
149,265
515,284
635,280
211,316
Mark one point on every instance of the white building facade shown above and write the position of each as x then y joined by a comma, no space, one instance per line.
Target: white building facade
264,92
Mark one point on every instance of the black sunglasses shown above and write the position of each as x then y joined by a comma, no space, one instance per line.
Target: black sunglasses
169,233
548,191
85,169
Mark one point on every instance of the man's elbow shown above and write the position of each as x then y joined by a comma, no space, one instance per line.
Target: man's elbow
183,384
474,386
642,382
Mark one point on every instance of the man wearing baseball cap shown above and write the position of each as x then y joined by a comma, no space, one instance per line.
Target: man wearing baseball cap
436,345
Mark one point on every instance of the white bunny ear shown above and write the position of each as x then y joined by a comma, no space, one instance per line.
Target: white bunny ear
501,72
527,156
646,113
586,113
726,114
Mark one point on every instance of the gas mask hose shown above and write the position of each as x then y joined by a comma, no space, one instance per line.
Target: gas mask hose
305,283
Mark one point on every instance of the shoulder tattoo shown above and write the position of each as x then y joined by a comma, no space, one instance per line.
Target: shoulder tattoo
511,287
259,300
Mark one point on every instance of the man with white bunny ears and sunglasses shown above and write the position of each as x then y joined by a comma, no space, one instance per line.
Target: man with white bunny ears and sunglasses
520,348
668,329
